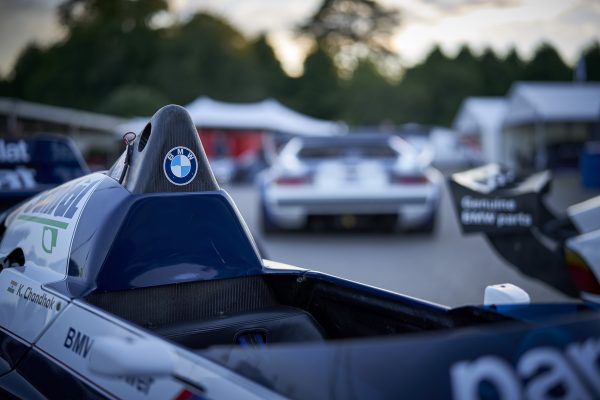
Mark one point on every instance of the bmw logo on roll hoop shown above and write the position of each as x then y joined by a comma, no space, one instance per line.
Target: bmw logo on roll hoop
180,165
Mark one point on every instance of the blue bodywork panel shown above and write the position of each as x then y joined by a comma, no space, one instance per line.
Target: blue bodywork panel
172,238
508,361
126,241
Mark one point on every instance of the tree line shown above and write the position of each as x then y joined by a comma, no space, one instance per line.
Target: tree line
116,59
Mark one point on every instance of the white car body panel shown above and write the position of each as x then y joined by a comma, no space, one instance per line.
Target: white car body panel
48,222
586,215
587,246
22,296
21,289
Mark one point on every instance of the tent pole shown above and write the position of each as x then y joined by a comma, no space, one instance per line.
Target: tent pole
541,154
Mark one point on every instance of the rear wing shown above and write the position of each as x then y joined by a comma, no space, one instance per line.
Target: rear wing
511,212
492,199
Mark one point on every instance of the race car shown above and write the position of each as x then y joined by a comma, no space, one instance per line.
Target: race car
143,282
349,182
29,166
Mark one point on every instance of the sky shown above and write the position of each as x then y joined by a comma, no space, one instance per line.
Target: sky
569,25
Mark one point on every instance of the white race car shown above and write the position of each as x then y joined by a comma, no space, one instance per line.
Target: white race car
355,181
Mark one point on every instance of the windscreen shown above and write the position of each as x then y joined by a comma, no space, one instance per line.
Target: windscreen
343,150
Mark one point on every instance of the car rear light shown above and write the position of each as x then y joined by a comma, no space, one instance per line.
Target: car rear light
581,274
292,180
410,179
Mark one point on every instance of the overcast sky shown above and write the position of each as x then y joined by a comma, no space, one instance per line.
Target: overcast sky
570,25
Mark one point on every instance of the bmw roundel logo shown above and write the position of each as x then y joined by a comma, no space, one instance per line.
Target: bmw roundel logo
180,165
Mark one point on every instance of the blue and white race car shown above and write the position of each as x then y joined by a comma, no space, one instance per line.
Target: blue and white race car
144,283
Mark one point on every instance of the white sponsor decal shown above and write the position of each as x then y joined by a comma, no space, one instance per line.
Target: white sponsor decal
496,212
141,384
43,229
19,178
14,152
540,373
44,226
496,204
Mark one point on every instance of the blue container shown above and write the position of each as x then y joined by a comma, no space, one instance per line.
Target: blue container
589,165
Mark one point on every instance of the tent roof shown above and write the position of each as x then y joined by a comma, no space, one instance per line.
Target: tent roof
531,102
477,114
267,115
59,115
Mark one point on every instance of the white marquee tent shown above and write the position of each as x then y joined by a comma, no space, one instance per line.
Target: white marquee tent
534,102
267,115
531,117
544,114
483,117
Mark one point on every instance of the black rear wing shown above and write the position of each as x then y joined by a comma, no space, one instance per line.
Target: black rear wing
492,199
511,212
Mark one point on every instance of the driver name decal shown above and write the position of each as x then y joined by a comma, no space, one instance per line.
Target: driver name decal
29,294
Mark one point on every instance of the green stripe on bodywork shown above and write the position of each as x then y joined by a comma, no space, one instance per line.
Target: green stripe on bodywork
44,221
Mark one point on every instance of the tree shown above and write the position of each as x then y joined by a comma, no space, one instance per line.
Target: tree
26,65
368,97
353,29
205,56
514,66
108,44
5,88
546,65
592,62
495,74
113,60
133,100
317,91
273,80
432,91
121,14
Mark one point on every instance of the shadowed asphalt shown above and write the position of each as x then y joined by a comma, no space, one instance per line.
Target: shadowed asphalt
447,267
